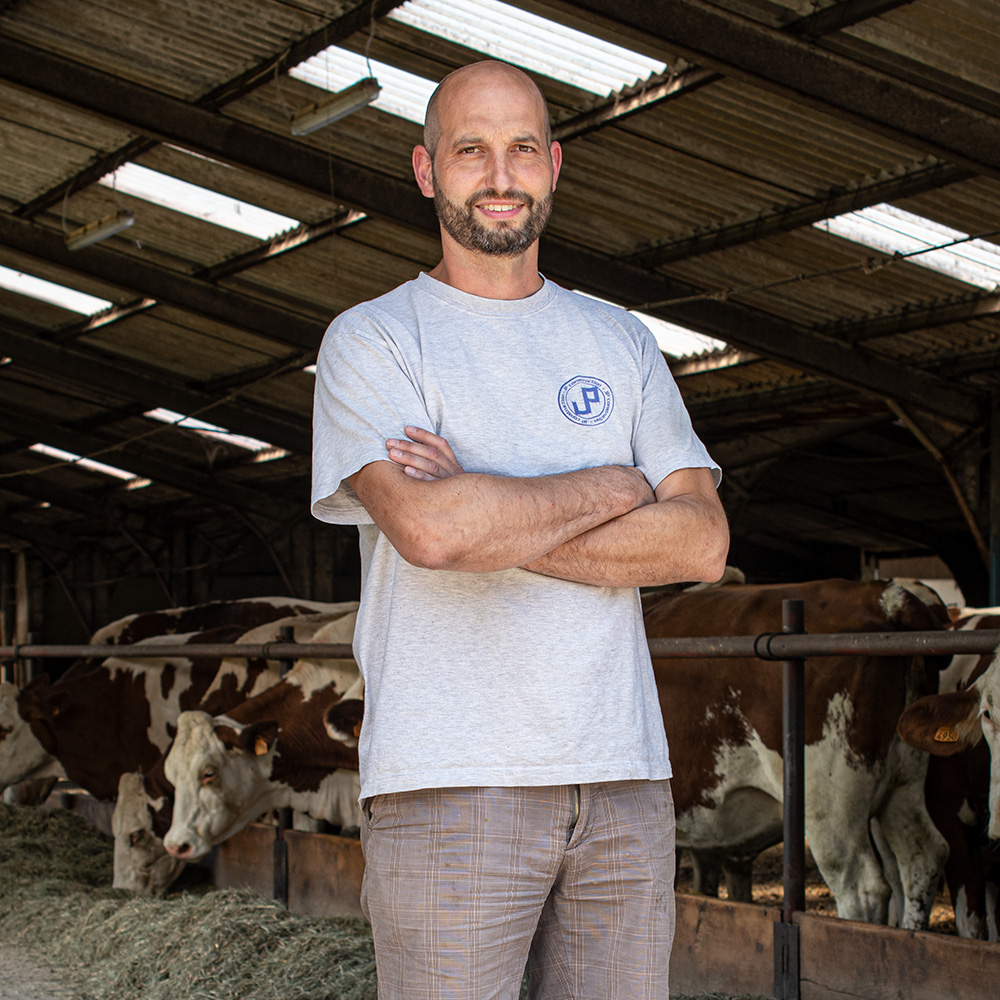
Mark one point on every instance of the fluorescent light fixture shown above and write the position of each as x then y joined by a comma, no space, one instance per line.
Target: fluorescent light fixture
48,291
403,94
677,341
891,230
342,104
198,202
101,229
91,464
208,430
516,36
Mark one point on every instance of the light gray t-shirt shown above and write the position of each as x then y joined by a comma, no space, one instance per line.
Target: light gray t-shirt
505,678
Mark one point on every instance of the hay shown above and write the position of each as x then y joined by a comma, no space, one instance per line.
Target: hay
224,945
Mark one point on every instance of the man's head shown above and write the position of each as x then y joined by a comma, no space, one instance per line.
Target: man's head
488,159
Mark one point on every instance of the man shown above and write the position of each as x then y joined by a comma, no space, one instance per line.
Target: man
518,461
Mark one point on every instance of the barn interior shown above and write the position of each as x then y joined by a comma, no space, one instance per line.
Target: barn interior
801,197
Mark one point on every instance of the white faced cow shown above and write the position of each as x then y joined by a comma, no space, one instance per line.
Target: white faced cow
723,720
144,808
268,753
960,728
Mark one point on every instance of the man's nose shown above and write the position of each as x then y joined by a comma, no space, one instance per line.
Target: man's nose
499,174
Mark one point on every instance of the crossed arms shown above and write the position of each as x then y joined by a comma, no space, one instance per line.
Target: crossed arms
603,526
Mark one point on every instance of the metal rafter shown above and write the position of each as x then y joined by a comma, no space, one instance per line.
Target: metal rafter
148,385
257,149
314,43
806,74
28,428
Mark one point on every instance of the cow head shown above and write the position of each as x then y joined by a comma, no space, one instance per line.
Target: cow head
944,724
22,754
140,859
221,778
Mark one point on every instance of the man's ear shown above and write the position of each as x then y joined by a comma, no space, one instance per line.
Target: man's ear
423,170
555,151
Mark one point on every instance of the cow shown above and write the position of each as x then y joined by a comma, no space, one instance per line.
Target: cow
22,756
723,718
144,808
962,788
268,753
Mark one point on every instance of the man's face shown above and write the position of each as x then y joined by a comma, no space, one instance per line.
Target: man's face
466,226
493,171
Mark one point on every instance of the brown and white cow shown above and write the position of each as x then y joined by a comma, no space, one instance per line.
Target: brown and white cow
144,807
723,719
963,790
268,753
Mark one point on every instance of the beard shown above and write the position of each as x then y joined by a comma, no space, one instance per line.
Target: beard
503,240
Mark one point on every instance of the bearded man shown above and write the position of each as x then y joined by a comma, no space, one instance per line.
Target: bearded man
518,461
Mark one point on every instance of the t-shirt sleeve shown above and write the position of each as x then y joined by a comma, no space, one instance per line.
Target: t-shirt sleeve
363,395
664,440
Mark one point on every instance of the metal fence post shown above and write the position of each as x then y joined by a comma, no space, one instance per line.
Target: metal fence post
280,879
786,933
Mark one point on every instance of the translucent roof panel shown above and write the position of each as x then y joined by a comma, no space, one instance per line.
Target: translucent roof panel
209,430
202,203
530,41
85,463
403,94
48,291
677,341
891,230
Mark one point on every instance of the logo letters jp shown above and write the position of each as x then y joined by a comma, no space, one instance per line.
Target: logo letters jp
586,400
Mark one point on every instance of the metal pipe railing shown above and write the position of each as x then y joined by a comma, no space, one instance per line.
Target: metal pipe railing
767,646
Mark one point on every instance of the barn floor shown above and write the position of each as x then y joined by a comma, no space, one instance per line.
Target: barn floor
24,977
767,889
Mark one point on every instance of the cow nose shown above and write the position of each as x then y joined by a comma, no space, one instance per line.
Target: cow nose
182,851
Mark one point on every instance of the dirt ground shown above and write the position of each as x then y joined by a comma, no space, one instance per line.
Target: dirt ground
767,889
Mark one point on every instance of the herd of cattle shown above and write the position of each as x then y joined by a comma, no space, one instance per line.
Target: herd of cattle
193,750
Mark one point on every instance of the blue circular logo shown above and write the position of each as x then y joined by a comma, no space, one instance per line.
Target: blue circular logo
586,400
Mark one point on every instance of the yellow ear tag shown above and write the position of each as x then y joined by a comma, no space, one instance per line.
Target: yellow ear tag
946,734
260,746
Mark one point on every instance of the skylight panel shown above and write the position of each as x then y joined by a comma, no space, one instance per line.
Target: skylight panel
891,230
535,43
199,202
403,94
677,341
134,481
206,429
48,291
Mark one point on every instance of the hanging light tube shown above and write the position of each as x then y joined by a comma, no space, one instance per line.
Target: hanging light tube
343,103
101,229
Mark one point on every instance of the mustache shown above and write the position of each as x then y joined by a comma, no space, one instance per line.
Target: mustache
486,194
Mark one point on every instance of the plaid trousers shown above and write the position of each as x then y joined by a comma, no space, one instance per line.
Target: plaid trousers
465,888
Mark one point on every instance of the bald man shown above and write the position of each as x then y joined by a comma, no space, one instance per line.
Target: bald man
518,461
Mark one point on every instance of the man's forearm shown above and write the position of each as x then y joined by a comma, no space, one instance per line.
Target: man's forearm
482,523
684,539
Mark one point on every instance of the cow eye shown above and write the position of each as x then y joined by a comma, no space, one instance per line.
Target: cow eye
207,775
136,837
5,731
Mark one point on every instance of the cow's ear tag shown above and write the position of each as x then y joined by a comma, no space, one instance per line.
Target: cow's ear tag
946,734
260,746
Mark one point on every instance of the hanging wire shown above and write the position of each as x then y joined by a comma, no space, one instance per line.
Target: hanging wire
368,44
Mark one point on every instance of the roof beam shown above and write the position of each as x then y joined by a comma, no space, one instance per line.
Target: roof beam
766,334
789,217
297,163
137,457
167,119
148,280
149,386
335,31
803,73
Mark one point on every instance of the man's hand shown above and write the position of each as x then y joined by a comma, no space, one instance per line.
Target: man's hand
425,456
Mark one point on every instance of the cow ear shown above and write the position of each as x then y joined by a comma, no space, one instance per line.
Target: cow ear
259,738
343,719
942,724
